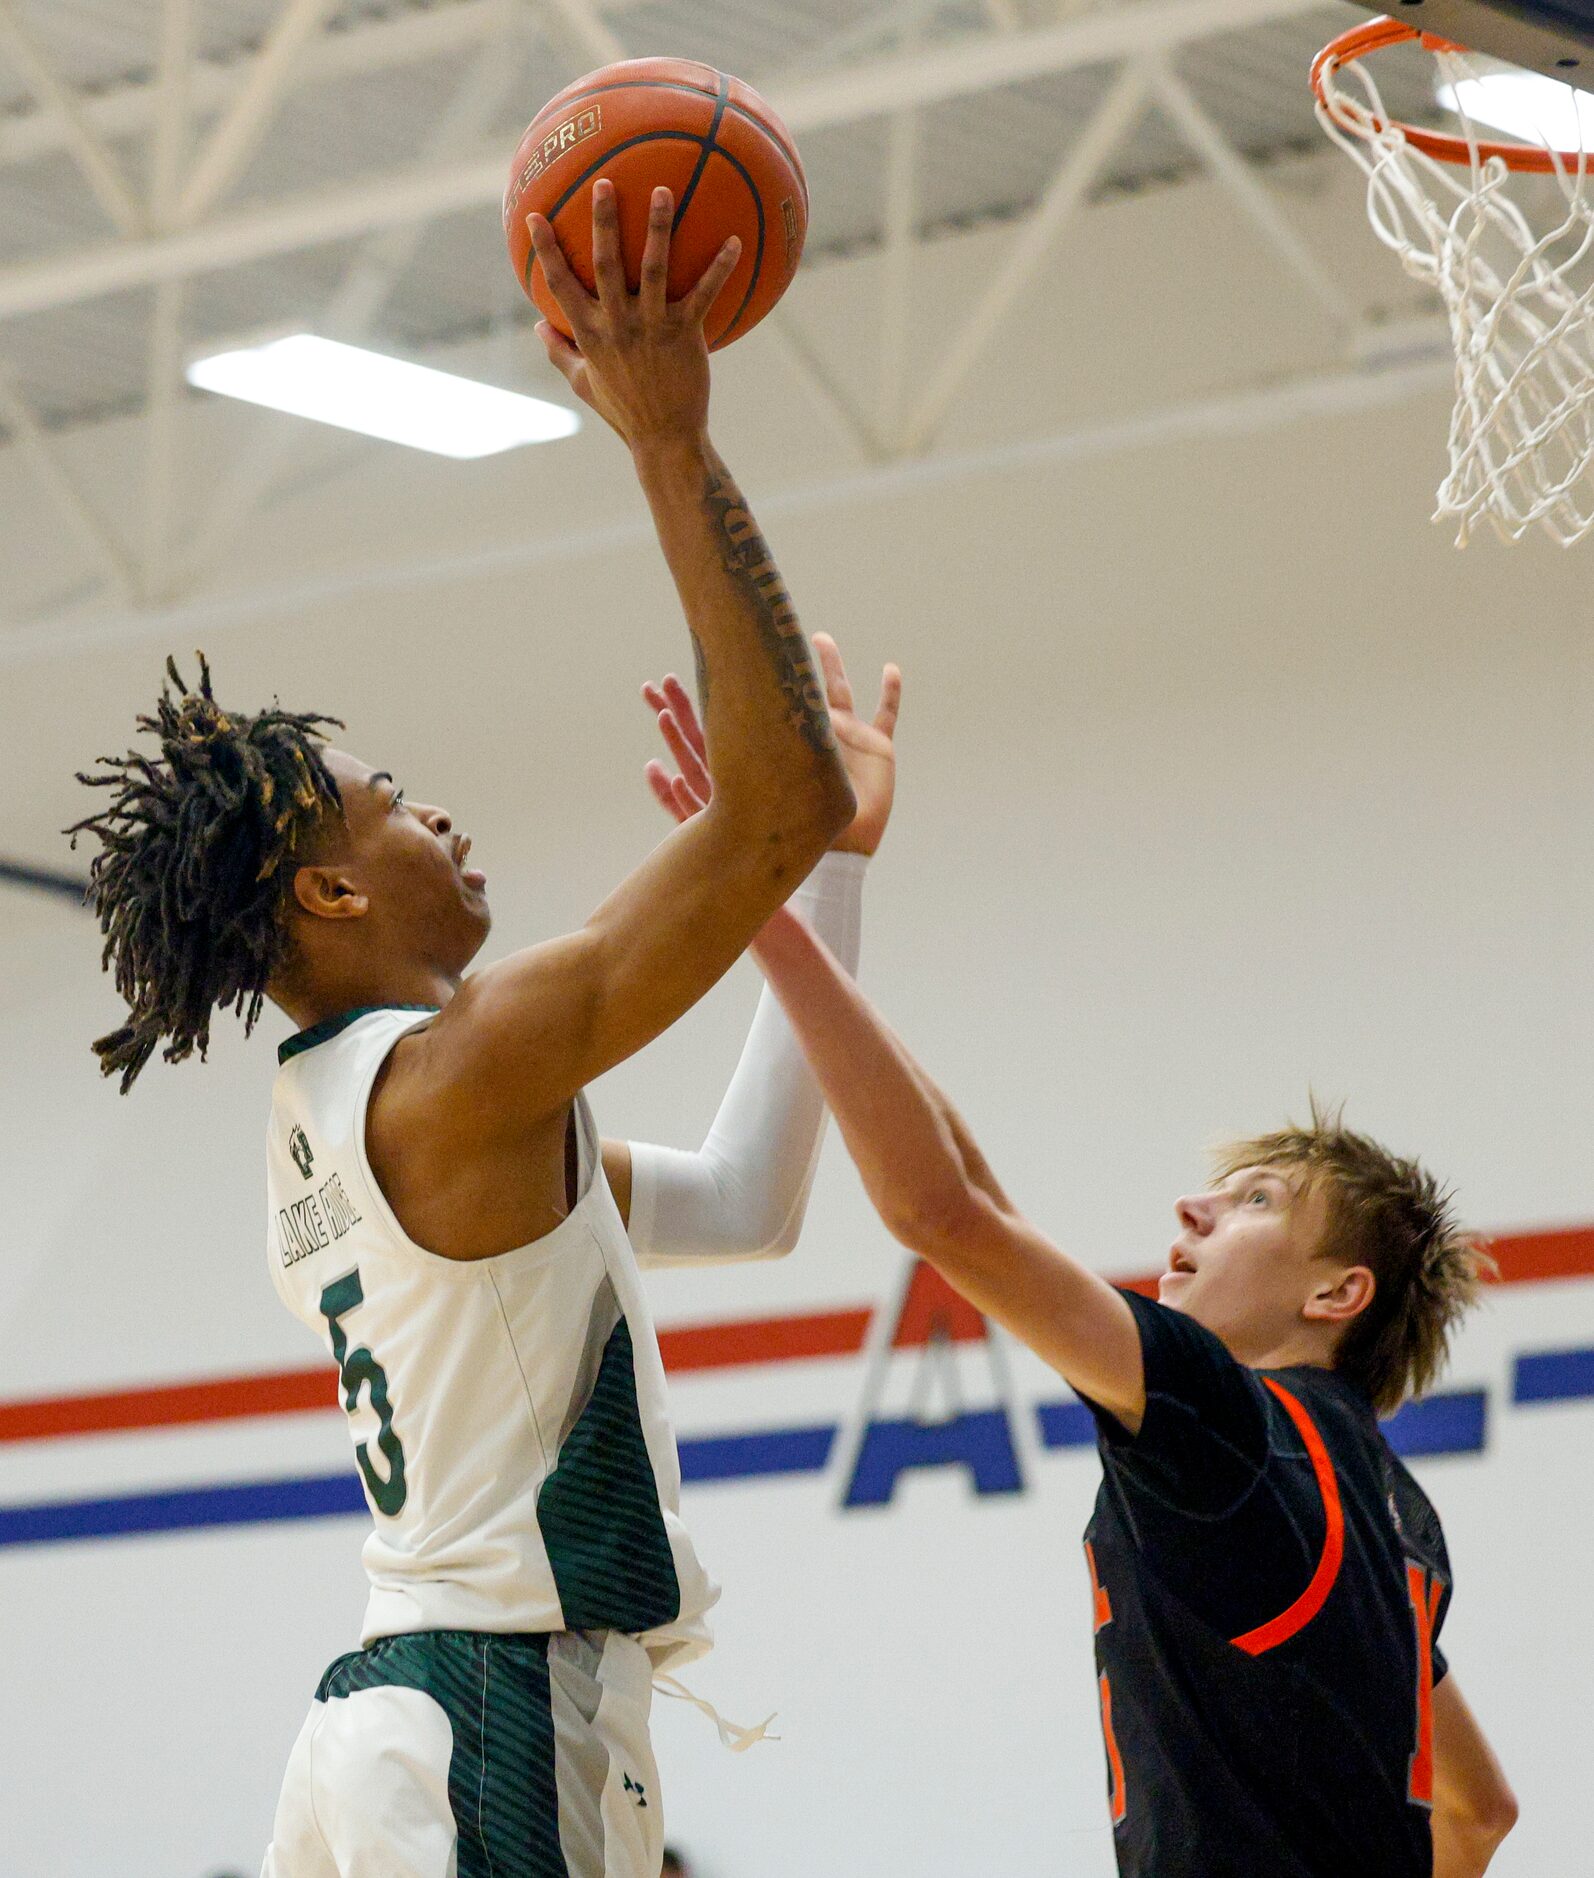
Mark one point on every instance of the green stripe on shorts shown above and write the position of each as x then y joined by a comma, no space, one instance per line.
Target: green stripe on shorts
501,1779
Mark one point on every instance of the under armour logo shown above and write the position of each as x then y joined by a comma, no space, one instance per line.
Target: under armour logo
636,1787
299,1148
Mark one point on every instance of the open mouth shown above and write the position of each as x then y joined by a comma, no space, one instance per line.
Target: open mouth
473,877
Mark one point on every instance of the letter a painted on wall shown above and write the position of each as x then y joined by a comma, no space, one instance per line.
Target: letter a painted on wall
922,1343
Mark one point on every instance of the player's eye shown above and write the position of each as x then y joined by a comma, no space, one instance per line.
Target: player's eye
398,799
1257,1193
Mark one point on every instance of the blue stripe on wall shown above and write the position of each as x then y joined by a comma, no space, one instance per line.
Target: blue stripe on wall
1066,1425
1554,1376
322,1496
244,1503
1453,1423
743,1457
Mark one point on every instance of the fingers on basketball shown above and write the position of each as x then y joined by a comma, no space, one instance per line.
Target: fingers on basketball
654,277
608,269
730,166
573,299
701,297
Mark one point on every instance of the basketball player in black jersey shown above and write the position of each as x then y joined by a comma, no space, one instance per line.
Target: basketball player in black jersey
1268,1582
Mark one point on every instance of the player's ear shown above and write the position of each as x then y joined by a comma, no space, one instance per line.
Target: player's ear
327,893
1341,1296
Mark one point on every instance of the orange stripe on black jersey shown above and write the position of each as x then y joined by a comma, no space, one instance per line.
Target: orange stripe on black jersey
1280,1629
1100,1603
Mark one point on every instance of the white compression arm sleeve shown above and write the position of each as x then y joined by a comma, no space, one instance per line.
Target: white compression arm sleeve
743,1193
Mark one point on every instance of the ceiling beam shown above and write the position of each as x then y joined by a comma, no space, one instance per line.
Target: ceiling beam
221,161
896,285
1240,411
58,483
62,106
162,395
1065,195
358,300
375,202
1240,180
173,96
973,63
952,69
824,393
163,386
579,25
976,62
129,108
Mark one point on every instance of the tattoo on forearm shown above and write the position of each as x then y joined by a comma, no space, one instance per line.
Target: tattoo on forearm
701,663
747,556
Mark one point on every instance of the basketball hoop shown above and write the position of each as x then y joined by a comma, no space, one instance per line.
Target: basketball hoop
1520,303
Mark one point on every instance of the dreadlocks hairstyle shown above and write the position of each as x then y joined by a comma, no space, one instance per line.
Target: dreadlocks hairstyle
189,880
1392,1216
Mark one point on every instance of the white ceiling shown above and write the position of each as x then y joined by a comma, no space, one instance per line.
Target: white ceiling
175,172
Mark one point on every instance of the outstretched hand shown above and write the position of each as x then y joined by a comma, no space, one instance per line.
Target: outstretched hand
639,359
866,746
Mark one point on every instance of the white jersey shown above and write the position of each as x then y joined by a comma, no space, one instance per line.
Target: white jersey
508,1413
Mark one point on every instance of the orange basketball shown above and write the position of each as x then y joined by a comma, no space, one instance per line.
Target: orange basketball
708,138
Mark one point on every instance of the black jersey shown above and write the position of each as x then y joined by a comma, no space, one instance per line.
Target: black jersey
1269,1585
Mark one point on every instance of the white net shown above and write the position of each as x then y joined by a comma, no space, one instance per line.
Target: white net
1520,305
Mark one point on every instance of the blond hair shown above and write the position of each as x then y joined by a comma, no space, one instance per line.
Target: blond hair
1392,1216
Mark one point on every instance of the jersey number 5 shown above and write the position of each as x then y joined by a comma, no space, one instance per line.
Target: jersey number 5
1425,1595
358,1369
1101,1612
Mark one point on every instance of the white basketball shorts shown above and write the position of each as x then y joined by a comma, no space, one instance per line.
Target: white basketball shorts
462,1754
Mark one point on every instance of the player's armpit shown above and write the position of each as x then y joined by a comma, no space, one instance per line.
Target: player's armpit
1474,1807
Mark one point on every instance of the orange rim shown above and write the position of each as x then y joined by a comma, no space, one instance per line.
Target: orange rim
1376,36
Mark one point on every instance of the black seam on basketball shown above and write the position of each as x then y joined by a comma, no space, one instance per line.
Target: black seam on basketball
592,169
673,136
595,168
703,154
725,332
787,150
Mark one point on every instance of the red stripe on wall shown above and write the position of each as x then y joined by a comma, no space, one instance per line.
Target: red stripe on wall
292,1392
287,1392
764,1340
1525,1258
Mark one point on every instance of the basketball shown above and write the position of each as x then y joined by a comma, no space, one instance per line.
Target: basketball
725,156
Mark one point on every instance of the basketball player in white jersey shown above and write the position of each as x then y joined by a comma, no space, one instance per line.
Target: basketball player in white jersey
442,1212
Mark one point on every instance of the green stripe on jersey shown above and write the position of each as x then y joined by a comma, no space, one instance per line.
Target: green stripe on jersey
599,1511
502,1786
302,1040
